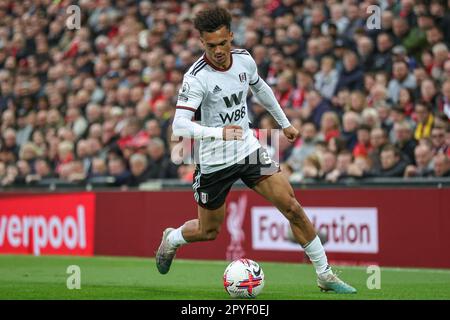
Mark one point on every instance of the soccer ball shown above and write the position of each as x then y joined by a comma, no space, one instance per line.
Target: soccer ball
243,278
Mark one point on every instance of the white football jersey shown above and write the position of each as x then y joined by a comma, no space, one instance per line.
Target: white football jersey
221,96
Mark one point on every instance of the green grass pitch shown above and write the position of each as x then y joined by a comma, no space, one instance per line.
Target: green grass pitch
28,277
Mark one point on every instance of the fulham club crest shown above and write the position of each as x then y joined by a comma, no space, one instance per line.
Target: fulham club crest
204,197
243,77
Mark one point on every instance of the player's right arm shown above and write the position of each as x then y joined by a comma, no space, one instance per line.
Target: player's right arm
190,97
266,97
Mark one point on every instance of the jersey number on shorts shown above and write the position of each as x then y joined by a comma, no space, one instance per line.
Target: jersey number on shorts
266,157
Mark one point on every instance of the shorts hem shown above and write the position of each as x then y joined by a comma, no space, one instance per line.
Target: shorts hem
208,208
264,177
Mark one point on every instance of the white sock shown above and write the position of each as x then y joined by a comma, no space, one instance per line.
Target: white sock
317,255
175,238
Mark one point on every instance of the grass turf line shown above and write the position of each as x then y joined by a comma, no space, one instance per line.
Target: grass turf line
28,277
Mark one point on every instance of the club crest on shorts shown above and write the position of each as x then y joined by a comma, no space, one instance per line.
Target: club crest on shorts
204,197
243,77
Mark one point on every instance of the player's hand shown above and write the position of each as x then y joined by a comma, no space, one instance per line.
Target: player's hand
232,132
291,133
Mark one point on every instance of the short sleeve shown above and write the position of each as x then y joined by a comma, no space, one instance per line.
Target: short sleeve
191,93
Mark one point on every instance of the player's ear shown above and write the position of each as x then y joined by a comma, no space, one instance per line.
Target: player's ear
202,41
231,36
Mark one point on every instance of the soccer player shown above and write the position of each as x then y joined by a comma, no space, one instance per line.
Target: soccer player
216,86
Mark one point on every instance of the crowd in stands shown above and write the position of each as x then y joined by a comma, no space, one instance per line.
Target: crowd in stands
98,101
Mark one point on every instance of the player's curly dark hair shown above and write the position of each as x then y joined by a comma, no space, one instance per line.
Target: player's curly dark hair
212,19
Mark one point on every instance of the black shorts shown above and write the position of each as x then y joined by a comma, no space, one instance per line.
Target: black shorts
211,189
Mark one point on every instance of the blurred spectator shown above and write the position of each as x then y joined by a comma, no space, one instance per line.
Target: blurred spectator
406,101
76,122
139,170
328,163
429,94
378,139
11,176
83,154
402,78
42,170
434,35
382,59
350,123
360,167
304,147
357,101
440,56
132,136
326,80
10,149
397,115
365,49
352,76
98,168
186,172
424,164
404,141
284,92
344,160
161,167
363,146
24,169
65,154
447,140
118,170
424,120
441,165
438,140
24,129
445,104
392,165
311,167
329,126
370,117
440,14
315,107
337,144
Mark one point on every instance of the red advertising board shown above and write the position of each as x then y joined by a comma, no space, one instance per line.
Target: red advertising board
47,224
389,227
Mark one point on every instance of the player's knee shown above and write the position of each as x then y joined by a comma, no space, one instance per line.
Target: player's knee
293,210
211,234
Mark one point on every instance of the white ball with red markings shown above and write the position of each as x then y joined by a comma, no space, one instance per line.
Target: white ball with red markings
243,278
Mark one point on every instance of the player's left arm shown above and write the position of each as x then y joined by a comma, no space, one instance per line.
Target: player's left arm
264,94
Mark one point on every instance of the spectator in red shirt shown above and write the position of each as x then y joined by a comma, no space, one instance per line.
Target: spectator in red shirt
132,136
406,101
363,146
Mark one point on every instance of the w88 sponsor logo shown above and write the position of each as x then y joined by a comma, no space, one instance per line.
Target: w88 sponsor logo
235,116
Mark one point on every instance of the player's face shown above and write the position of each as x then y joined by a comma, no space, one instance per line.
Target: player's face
217,46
